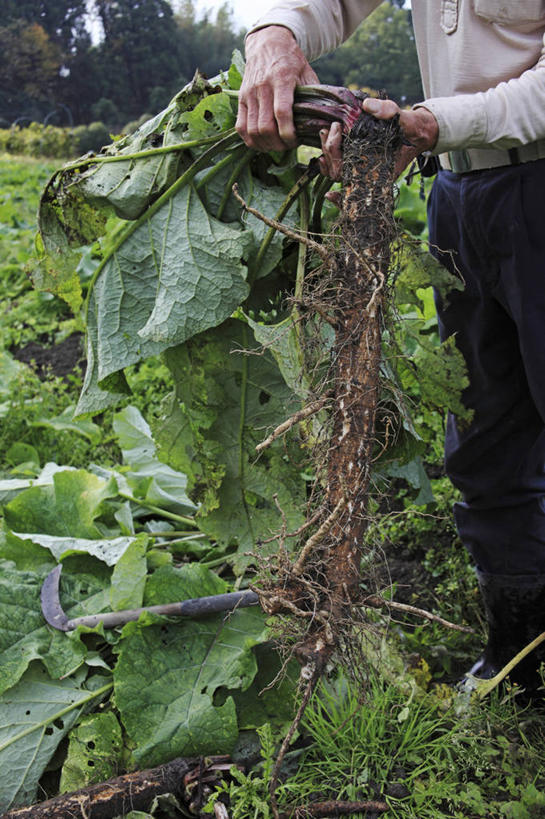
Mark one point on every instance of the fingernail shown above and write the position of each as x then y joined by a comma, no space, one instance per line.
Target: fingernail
372,106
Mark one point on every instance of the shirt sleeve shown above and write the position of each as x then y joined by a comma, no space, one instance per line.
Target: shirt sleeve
507,116
319,26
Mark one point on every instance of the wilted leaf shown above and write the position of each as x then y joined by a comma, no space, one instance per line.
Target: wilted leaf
109,550
419,269
442,376
212,115
11,487
129,187
56,263
65,422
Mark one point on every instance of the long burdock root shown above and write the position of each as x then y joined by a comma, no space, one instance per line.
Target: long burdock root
360,271
323,586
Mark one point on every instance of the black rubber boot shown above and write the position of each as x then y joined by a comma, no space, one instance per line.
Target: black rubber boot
515,612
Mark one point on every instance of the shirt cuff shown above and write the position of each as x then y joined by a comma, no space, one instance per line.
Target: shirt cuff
461,119
258,26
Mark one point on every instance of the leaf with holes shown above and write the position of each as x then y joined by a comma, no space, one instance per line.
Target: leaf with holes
172,682
94,752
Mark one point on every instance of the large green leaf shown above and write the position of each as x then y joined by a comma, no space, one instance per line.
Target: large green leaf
23,634
67,507
227,401
267,199
35,715
179,272
77,199
168,584
272,695
168,677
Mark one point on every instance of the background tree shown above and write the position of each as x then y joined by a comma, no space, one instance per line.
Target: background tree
208,43
36,67
29,64
65,21
140,51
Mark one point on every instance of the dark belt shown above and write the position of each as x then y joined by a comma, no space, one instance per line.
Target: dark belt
477,159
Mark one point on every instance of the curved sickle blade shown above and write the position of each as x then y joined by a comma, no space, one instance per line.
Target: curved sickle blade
194,607
50,600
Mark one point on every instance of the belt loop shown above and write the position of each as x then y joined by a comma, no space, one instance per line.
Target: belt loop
514,157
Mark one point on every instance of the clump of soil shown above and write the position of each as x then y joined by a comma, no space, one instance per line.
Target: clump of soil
59,359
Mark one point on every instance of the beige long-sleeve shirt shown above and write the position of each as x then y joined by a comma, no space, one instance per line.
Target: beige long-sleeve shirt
482,61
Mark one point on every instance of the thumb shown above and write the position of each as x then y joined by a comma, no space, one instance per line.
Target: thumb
381,109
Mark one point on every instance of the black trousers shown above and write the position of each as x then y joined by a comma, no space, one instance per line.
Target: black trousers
494,221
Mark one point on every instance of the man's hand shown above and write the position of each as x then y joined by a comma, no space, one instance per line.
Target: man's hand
419,127
274,66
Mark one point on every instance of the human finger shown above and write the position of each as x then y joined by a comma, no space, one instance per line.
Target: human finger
283,116
331,141
250,119
257,125
242,120
335,197
268,136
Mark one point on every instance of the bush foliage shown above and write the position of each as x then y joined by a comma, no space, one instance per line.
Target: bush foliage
38,140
